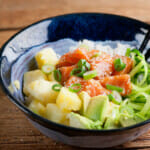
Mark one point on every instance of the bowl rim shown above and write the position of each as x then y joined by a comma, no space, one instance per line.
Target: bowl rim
42,119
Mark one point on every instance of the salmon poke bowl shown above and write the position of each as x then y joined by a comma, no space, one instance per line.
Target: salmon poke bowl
81,77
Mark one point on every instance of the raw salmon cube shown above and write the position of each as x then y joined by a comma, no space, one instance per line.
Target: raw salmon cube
103,64
72,58
92,87
65,72
129,64
122,81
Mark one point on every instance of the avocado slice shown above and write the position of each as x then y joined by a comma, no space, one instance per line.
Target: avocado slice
85,98
97,108
110,124
78,121
112,121
126,117
126,121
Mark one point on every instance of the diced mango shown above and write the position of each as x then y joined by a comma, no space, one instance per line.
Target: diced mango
30,98
42,90
65,121
51,77
46,56
68,101
53,113
32,76
37,108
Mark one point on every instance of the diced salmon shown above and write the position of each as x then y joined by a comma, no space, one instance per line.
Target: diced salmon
92,87
129,64
80,53
103,64
66,60
72,58
65,72
122,81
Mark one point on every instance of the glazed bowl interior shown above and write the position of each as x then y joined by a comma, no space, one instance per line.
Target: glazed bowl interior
60,33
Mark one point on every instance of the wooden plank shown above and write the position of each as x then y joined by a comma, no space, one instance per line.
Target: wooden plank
5,35
19,13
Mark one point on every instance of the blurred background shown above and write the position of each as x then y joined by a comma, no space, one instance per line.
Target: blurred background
17,14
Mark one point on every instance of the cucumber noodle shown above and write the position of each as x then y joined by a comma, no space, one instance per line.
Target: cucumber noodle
139,99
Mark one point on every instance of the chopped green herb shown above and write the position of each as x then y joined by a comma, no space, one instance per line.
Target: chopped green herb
57,75
114,88
47,69
90,74
75,87
119,65
56,87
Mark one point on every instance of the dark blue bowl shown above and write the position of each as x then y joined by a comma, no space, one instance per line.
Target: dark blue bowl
17,54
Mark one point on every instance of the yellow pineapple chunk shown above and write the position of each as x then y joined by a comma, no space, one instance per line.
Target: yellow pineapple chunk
32,76
37,108
47,56
17,84
65,121
42,90
68,101
51,77
53,113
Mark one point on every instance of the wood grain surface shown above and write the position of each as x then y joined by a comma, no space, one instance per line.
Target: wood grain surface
15,130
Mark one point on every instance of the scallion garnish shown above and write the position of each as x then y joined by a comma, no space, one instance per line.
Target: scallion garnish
80,74
75,87
90,74
75,71
83,66
115,97
83,63
119,65
128,51
47,69
88,66
110,96
96,55
57,75
56,87
114,88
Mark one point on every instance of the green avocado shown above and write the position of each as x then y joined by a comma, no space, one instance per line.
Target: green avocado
126,121
126,117
110,124
130,120
78,121
97,108
112,121
85,98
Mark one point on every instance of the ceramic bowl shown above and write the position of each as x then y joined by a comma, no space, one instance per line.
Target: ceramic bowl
16,57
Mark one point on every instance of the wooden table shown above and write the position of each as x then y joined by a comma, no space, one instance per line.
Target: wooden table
15,130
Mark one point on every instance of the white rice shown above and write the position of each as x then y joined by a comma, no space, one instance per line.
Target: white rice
119,48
